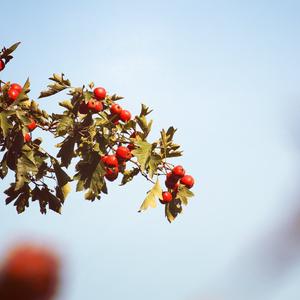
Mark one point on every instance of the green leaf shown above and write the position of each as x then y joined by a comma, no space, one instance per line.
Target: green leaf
5,123
63,179
64,126
11,49
66,152
154,161
66,104
155,192
172,209
128,175
24,166
53,202
184,194
60,79
142,153
90,175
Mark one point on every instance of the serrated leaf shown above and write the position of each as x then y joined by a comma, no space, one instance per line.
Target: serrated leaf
53,201
66,152
154,161
11,49
66,104
172,209
24,166
142,153
5,123
52,90
150,200
64,126
128,175
60,79
184,194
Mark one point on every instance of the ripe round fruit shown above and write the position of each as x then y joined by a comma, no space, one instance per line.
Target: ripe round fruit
27,137
123,153
125,115
16,86
13,94
110,160
188,181
171,184
178,171
167,197
31,126
115,109
111,174
98,106
100,93
2,64
95,106
83,108
29,272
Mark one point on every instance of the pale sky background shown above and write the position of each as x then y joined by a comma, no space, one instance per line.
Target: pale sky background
226,74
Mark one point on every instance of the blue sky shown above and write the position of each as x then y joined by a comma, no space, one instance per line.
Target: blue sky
226,74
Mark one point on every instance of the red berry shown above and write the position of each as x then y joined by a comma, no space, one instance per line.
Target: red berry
178,171
13,94
31,126
125,115
115,109
83,108
29,272
2,64
16,86
188,181
170,184
110,160
123,153
111,174
171,177
166,197
98,106
27,138
100,93
94,106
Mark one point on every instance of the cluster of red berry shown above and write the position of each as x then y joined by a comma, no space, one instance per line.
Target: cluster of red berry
13,93
174,178
115,163
119,114
94,105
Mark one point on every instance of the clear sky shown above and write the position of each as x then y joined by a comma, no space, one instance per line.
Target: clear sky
226,74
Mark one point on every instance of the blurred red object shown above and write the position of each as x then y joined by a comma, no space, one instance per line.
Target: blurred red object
29,273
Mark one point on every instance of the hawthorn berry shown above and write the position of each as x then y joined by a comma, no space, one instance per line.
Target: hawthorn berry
83,108
2,64
29,272
188,181
27,138
125,115
123,153
166,197
171,184
110,160
31,126
111,173
13,94
115,109
178,171
16,86
95,106
100,93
